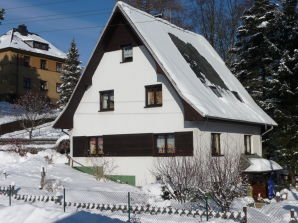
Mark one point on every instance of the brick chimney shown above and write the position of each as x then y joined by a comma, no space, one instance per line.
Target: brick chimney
23,29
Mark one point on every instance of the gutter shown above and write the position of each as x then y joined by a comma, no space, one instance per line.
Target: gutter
269,130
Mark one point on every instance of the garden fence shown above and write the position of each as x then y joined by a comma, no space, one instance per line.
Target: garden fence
126,206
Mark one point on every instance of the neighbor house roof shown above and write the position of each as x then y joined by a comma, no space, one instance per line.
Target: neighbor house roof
14,39
194,68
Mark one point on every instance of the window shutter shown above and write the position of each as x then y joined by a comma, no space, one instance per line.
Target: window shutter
184,143
128,145
80,146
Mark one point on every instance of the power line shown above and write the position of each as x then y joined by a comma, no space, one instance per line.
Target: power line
90,27
59,18
46,16
48,3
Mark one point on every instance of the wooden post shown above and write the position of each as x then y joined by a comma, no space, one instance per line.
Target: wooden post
9,195
292,214
245,214
128,196
43,176
64,203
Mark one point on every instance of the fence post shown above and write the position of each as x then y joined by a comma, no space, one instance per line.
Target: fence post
64,203
128,196
245,214
207,211
9,194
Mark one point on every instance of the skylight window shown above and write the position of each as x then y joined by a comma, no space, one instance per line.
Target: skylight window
215,91
235,93
39,45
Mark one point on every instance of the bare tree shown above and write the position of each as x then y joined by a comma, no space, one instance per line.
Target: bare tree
171,10
189,179
225,179
217,21
102,167
33,109
183,176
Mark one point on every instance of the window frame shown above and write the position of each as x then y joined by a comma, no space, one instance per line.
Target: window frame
101,93
96,146
246,151
41,64
25,81
58,86
214,152
166,153
156,88
126,59
60,68
25,62
43,85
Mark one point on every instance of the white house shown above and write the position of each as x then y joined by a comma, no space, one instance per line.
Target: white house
153,89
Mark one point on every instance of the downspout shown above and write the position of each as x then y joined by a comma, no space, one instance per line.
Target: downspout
267,131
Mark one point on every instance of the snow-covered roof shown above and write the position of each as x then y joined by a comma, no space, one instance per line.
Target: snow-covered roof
195,69
14,39
262,165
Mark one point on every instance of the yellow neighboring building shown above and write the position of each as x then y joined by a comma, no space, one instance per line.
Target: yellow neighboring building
28,62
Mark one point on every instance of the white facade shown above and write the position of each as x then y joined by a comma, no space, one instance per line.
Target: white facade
128,80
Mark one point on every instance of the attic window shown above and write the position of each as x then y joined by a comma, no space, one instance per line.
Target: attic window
127,53
39,45
215,91
235,93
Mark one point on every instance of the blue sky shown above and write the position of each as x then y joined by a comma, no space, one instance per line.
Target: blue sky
48,17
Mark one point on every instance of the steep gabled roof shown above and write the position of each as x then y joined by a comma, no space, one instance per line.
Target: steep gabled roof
15,40
196,71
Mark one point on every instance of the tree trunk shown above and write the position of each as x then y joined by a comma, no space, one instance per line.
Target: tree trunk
293,176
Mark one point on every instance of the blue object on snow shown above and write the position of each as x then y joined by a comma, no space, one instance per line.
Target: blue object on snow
271,188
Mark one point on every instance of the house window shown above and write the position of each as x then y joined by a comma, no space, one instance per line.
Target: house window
247,144
58,87
26,61
58,67
39,45
153,95
215,91
43,64
235,93
27,83
43,85
165,144
107,100
127,53
96,146
215,144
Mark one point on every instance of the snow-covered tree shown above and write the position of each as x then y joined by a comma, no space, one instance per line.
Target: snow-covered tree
2,11
71,73
283,141
256,51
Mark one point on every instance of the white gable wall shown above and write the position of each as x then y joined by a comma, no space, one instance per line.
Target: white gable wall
128,80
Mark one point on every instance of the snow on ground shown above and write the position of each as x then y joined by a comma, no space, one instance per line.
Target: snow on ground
45,131
27,213
24,172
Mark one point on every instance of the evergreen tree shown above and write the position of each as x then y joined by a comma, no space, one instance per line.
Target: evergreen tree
256,53
71,73
2,11
283,141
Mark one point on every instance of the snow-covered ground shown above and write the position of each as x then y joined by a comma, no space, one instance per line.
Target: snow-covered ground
44,131
24,173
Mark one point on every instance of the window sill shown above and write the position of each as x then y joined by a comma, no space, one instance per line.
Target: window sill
217,155
152,106
126,61
105,110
